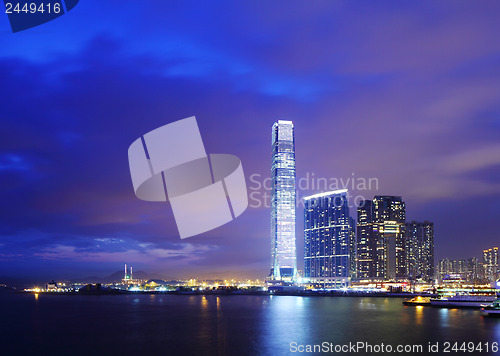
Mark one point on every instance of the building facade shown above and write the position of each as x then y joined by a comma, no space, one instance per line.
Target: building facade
328,230
381,239
366,248
420,250
352,249
474,273
464,271
490,262
283,202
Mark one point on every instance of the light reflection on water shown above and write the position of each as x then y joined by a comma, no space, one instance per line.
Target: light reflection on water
315,320
419,313
226,325
285,319
444,317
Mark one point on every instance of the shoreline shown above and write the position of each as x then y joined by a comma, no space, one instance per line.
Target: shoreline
254,293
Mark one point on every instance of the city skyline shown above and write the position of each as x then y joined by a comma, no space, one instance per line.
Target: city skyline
402,93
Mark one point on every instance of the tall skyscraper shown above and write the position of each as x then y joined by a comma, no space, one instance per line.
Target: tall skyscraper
420,250
491,264
389,222
352,248
283,202
366,242
327,238
380,238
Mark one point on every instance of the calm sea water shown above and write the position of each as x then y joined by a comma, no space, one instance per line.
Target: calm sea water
224,325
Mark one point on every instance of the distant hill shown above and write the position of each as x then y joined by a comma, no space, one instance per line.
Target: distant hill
19,283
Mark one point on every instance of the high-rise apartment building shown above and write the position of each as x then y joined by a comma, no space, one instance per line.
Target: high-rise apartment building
352,248
465,271
419,246
474,274
283,202
366,242
491,266
380,239
327,238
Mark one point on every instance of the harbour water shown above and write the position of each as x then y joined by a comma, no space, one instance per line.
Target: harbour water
229,325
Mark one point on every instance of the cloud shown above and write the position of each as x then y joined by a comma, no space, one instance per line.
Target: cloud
185,252
474,160
109,240
10,256
13,162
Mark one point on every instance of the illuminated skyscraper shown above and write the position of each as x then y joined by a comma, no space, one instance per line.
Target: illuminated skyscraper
474,270
389,223
491,265
352,248
283,251
327,238
420,250
380,238
366,242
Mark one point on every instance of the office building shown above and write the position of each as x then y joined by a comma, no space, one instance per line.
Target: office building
283,202
327,239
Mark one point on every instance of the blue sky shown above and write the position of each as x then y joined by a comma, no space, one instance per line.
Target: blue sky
404,92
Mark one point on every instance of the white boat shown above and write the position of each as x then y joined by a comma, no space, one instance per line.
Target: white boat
492,309
464,300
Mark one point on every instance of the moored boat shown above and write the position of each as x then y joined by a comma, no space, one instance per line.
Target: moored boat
463,300
492,309
464,297
418,301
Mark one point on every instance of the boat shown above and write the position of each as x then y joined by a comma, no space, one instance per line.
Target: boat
417,301
492,309
463,300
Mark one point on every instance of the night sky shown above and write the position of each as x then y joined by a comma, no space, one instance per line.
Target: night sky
407,93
